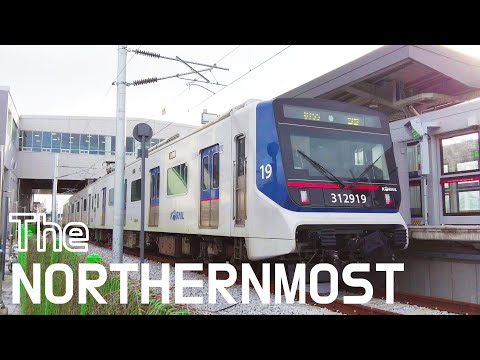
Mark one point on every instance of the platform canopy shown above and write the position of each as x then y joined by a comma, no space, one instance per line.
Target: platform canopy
400,80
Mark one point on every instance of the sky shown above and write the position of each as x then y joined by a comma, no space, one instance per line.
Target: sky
76,80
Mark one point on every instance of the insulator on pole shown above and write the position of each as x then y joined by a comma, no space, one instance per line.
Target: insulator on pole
147,53
145,81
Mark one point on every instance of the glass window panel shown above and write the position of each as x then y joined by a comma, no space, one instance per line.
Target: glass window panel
93,142
66,141
37,140
462,197
101,144
460,153
110,196
47,140
27,139
84,142
216,170
205,174
56,140
414,158
177,180
129,145
135,193
75,143
415,200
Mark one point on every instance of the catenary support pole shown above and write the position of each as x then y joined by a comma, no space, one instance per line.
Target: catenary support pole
54,191
142,201
118,198
5,232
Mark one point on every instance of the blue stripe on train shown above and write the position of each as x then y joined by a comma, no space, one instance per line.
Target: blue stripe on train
268,152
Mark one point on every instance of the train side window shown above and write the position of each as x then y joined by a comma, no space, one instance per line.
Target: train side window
135,190
177,180
216,170
152,186
205,173
110,196
241,156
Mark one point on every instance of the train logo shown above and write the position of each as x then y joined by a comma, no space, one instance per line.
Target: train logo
176,215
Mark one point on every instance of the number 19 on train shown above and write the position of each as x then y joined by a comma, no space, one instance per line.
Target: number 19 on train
266,171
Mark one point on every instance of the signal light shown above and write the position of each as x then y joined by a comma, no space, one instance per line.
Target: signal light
304,197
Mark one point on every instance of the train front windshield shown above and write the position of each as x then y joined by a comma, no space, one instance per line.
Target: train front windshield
351,147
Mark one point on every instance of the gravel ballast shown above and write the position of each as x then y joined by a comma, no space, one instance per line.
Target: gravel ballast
255,306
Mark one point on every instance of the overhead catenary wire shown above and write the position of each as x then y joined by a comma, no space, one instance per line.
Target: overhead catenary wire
241,76
187,87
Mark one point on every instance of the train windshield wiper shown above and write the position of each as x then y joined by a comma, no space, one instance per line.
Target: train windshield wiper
321,169
367,169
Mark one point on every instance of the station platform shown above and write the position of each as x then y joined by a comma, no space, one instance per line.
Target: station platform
468,233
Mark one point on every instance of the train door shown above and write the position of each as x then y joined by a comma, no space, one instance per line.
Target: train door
104,204
89,206
153,214
209,187
240,180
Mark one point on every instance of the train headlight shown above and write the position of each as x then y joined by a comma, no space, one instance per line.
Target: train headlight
304,197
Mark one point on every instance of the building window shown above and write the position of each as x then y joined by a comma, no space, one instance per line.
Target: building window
84,204
56,142
177,180
414,159
110,196
84,143
93,144
37,141
415,199
135,190
74,143
216,171
27,139
70,143
461,196
14,132
65,142
78,206
460,153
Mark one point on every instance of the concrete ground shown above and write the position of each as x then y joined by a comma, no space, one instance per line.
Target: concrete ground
7,295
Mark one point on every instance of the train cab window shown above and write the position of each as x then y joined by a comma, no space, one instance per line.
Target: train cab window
205,173
135,190
177,180
216,170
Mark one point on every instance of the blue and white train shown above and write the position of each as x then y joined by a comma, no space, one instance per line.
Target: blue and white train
288,179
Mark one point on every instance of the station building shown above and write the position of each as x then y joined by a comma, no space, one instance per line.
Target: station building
85,146
430,95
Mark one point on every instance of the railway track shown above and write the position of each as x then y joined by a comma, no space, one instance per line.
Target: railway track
452,306
338,305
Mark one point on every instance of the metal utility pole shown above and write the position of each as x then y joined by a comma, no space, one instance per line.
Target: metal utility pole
142,132
118,197
3,309
5,231
54,192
